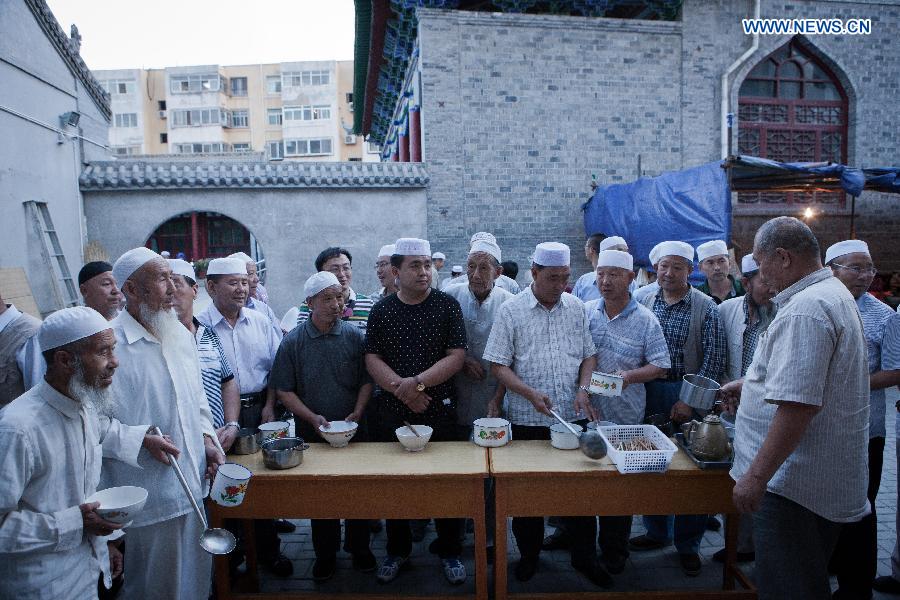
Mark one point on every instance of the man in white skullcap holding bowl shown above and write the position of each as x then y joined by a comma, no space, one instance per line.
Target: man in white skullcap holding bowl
715,262
52,442
855,558
158,382
540,349
320,376
630,343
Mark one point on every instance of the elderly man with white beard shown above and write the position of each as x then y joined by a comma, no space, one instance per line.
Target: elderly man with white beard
52,542
159,382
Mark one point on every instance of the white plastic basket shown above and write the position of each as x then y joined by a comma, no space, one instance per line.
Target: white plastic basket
643,461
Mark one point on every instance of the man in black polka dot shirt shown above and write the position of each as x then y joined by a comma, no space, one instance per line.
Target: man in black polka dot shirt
415,344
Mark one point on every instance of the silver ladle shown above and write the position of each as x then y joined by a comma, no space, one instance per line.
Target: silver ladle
590,442
214,541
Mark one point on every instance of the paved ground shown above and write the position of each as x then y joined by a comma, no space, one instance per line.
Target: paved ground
645,571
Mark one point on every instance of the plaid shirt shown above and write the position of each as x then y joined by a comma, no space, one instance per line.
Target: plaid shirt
751,336
676,323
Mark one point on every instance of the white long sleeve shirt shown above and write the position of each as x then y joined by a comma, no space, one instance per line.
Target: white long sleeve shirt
51,451
149,388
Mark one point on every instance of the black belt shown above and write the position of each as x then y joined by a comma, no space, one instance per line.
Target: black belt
251,399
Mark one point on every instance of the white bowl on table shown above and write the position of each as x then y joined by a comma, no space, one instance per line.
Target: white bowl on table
339,433
563,439
410,440
119,504
491,432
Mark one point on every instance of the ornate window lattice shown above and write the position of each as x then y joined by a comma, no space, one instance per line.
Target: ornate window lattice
791,108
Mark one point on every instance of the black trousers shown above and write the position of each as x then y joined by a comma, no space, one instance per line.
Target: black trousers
529,531
449,531
855,558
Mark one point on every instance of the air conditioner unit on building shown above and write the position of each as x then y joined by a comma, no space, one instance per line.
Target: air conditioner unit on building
162,114
349,139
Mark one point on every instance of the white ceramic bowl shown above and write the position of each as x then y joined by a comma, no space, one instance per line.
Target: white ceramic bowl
605,384
119,504
491,432
409,440
563,439
339,433
274,430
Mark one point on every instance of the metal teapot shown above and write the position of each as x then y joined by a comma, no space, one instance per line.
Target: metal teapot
708,440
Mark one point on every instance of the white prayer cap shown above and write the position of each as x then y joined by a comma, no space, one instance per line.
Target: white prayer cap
488,247
672,248
165,254
387,250
412,247
615,258
439,256
70,325
483,236
318,282
131,261
609,242
456,269
748,265
226,266
182,267
710,249
654,253
243,256
551,254
846,247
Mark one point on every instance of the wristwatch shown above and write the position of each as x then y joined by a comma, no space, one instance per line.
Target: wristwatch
585,389
420,386
234,424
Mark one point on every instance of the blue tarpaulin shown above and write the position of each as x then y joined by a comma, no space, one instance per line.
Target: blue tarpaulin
754,174
693,206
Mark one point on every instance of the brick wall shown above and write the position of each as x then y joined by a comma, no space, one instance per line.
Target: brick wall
520,110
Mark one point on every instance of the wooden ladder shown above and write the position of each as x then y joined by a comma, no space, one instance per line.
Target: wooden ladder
50,250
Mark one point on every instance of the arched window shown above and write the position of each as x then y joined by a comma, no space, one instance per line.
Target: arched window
792,108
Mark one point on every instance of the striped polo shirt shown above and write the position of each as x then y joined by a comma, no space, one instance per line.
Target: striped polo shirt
214,369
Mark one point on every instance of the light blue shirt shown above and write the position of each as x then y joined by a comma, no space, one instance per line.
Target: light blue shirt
630,340
875,316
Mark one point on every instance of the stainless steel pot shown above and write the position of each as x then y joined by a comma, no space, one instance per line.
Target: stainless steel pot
247,441
697,390
284,453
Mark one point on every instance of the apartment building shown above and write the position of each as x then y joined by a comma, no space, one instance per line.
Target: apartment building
282,111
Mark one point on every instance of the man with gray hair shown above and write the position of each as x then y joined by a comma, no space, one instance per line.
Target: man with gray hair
158,382
52,541
855,559
803,418
502,281
254,297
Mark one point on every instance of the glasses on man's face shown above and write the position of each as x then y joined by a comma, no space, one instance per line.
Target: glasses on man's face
857,270
339,268
382,264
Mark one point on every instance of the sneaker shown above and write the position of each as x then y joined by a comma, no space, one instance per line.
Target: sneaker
323,569
592,570
643,543
454,570
742,557
526,568
390,568
690,563
886,585
364,562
